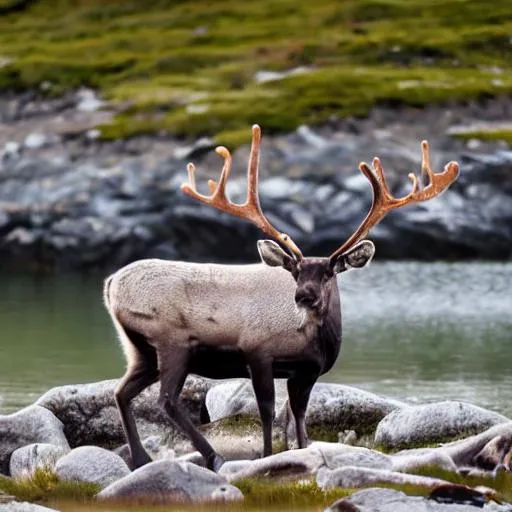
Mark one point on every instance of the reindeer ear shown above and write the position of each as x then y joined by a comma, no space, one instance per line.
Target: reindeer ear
357,256
272,255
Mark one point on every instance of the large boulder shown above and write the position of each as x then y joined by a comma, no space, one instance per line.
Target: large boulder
356,477
236,396
91,464
90,415
332,408
433,423
308,461
34,424
27,459
167,481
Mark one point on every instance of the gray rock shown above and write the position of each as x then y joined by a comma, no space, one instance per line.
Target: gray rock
91,464
410,460
167,481
437,422
88,101
390,500
317,457
293,463
236,396
332,407
337,455
236,437
16,506
90,416
355,477
35,140
233,466
25,460
307,461
33,424
154,446
309,184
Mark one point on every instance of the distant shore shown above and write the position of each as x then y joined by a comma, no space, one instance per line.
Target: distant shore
70,201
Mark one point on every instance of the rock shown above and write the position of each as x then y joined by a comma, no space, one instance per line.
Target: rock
88,101
91,464
354,477
390,500
12,150
16,506
236,437
431,423
154,446
410,460
338,455
90,416
35,141
193,458
236,396
332,407
483,449
34,424
311,138
200,146
233,466
307,461
495,453
25,460
292,463
169,481
310,188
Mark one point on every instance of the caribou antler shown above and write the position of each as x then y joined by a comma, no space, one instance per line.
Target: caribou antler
251,209
383,201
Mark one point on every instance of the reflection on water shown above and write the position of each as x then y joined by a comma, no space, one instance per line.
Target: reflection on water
411,330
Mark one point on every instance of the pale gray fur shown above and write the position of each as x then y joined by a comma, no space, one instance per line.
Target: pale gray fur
177,303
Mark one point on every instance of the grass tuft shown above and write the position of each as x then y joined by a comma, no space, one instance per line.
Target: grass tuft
45,486
487,135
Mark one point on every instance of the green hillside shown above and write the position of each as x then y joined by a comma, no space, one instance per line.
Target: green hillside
189,67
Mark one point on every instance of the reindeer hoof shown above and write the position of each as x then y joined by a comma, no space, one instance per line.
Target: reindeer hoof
214,462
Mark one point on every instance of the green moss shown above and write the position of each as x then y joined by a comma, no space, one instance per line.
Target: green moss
502,483
45,487
188,68
265,494
487,135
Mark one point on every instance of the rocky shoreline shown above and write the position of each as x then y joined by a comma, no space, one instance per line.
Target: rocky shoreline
447,452
69,201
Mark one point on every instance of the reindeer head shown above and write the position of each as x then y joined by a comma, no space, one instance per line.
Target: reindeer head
314,276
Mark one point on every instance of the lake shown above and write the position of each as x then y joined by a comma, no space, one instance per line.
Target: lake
415,331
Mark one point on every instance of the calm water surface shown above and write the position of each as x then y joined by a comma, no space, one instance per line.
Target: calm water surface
419,332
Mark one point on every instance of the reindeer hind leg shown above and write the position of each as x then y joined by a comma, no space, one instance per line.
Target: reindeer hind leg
173,366
142,372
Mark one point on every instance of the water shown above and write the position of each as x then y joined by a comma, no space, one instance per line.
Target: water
415,331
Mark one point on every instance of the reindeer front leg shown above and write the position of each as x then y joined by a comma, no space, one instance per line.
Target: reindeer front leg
263,383
299,389
173,367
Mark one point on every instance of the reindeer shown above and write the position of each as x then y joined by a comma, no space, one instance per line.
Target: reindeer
277,319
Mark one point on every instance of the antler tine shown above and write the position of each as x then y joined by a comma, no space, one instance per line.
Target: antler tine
251,209
383,201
